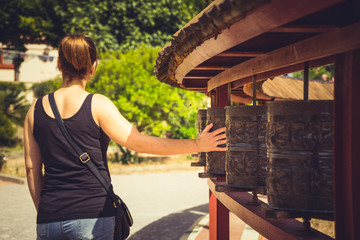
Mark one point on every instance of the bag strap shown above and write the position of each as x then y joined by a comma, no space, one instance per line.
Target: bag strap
83,156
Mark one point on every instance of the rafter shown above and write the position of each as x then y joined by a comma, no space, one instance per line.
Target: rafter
327,44
239,54
305,28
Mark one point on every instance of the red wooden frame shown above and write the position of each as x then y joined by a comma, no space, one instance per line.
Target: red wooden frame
218,213
347,146
5,66
346,152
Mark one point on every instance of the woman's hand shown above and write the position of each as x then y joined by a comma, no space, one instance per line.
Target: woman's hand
209,141
118,128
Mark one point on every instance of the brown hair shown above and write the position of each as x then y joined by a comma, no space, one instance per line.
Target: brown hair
77,54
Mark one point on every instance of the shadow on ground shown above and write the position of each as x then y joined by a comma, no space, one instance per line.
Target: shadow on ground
171,227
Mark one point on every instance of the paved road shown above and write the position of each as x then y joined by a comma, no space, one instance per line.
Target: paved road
164,205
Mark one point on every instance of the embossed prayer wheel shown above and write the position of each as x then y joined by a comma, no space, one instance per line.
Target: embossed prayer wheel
246,157
201,124
215,161
300,152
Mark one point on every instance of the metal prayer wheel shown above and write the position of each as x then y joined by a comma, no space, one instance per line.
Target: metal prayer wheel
300,152
201,124
215,161
246,157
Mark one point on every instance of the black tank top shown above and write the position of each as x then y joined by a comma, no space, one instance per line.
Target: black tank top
70,190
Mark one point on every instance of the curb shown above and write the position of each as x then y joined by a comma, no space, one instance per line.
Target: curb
195,229
9,178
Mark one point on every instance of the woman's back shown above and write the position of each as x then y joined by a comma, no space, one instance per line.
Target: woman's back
68,101
70,190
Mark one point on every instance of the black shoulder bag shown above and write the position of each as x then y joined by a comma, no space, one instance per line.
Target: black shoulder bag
123,217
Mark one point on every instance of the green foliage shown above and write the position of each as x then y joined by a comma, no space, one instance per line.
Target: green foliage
153,107
14,105
317,73
23,20
111,24
126,24
43,88
12,111
7,131
2,160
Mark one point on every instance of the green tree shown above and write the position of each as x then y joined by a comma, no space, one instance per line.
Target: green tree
115,25
318,72
112,24
153,107
13,110
22,21
43,88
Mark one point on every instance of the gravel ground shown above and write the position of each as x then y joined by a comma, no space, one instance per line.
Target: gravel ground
163,204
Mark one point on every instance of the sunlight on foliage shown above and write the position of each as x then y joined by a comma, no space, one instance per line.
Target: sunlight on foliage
153,107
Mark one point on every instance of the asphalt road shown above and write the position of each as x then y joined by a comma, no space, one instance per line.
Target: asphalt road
164,205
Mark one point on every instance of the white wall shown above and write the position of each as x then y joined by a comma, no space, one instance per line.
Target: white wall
33,69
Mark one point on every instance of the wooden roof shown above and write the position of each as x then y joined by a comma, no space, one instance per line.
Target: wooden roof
284,88
292,88
208,24
232,40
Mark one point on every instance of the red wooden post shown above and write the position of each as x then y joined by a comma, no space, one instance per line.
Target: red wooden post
222,93
218,219
218,213
347,146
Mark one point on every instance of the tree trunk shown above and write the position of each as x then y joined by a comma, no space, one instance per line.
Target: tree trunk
17,63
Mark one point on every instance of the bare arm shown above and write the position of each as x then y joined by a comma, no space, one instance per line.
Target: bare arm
33,160
124,133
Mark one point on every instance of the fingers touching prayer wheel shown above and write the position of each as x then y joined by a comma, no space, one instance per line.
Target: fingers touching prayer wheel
201,124
215,161
246,156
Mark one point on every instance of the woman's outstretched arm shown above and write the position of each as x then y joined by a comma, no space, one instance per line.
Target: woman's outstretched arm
33,160
124,133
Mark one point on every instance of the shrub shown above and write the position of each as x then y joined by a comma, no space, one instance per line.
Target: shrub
43,88
12,111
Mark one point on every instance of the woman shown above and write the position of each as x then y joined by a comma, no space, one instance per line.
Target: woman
70,202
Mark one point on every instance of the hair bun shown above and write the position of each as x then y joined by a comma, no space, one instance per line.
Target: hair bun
77,54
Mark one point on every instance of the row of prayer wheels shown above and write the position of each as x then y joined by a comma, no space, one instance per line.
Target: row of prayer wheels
285,147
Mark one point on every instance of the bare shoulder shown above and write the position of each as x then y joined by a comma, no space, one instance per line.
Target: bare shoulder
100,98
101,102
31,109
102,108
29,119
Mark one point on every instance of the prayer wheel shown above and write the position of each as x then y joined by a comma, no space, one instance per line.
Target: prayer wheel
201,124
215,161
246,157
300,154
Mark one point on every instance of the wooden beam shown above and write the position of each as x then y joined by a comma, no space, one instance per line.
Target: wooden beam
305,28
198,83
327,44
263,19
277,72
239,54
279,229
346,146
248,90
195,89
240,99
198,77
210,68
